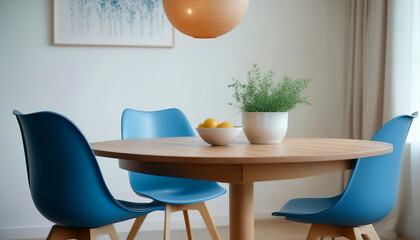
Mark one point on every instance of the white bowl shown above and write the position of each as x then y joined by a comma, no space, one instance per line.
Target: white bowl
219,136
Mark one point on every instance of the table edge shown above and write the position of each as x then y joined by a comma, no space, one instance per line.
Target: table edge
238,160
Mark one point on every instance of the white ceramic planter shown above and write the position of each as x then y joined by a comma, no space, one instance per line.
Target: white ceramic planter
265,127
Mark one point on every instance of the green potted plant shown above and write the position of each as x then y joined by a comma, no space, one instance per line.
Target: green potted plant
265,104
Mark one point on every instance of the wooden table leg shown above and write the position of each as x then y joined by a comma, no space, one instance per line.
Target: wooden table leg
241,207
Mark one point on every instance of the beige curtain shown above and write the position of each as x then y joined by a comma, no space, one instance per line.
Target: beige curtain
383,82
365,89
366,80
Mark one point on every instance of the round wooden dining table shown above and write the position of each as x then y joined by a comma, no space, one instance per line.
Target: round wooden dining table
240,164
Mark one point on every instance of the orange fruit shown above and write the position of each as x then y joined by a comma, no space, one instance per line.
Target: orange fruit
200,125
210,123
225,125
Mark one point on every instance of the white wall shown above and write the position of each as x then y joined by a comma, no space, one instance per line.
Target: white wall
92,85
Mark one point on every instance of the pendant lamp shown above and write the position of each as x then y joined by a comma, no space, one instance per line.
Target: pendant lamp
205,18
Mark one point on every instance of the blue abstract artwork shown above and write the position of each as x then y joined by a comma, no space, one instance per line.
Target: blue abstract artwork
111,22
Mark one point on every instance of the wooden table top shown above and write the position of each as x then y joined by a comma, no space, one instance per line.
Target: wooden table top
194,150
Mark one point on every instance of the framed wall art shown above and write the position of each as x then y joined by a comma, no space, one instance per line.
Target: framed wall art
132,23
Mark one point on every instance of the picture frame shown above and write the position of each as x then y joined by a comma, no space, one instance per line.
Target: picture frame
128,23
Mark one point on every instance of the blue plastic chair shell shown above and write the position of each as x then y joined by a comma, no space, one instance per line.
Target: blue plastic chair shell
65,181
165,123
371,192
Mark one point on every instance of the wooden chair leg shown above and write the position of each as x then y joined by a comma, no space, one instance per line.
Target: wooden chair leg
322,231
313,234
209,222
201,207
105,230
86,234
366,237
58,232
368,232
93,234
357,234
167,226
113,233
136,227
187,224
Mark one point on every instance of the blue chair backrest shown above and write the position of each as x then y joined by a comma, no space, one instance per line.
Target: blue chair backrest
373,187
64,177
154,124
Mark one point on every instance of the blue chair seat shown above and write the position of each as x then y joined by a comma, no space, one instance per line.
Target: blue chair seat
370,194
177,190
141,207
157,124
188,194
65,180
307,206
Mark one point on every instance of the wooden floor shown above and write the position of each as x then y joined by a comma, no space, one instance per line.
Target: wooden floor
270,229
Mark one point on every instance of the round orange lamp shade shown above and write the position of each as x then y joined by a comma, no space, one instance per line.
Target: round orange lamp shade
205,18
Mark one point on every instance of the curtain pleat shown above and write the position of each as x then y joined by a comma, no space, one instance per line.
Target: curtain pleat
365,80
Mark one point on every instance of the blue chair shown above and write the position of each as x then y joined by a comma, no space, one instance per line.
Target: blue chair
65,180
370,194
176,193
